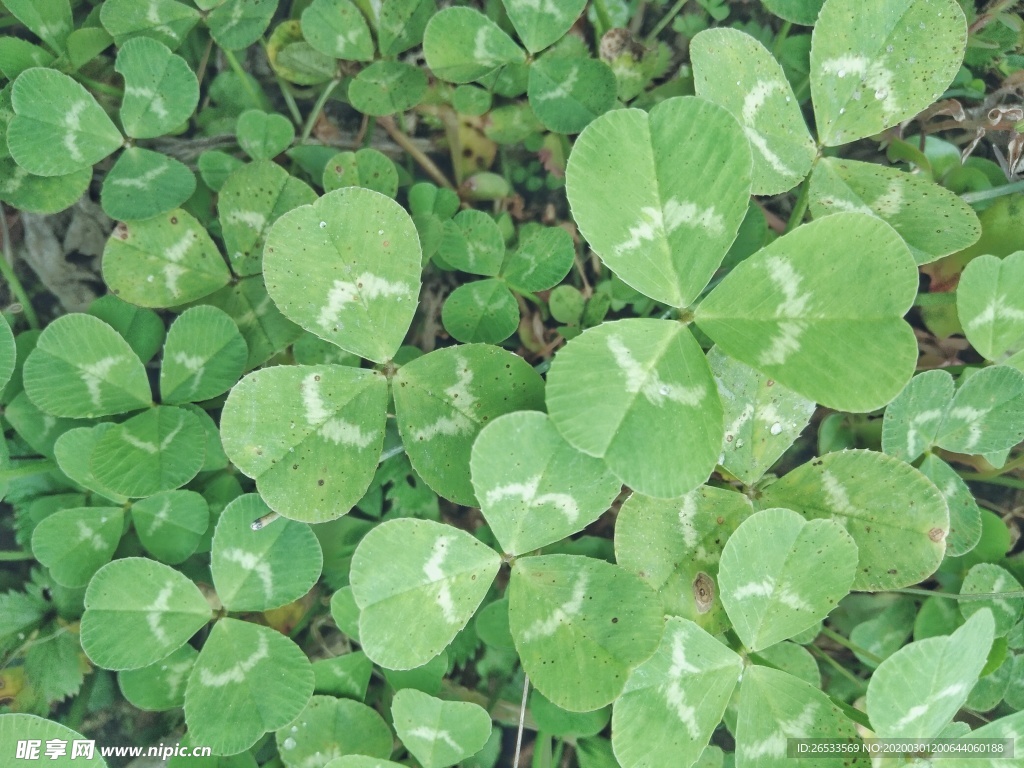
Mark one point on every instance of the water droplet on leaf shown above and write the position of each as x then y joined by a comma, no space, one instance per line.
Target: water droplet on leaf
323,224
776,429
289,743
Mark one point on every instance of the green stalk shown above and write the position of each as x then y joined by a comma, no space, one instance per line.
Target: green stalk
237,69
837,638
13,557
990,194
1006,482
957,596
7,272
286,91
800,208
311,120
29,469
665,21
820,654
781,38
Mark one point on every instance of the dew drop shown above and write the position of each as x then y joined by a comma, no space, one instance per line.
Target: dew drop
149,279
163,666
739,443
292,425
737,82
856,95
664,389
888,49
289,743
323,224
842,111
881,93
295,729
787,99
380,231
841,73
776,429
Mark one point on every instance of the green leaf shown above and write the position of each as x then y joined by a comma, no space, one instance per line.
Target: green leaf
365,168
401,23
897,518
567,93
482,311
166,21
137,611
215,167
17,55
879,62
143,184
910,204
990,578
338,29
171,524
40,194
163,261
539,24
257,570
160,90
49,19
86,43
265,330
252,199
580,626
75,543
386,87
310,436
915,692
363,250
534,488
143,329
248,680
803,12
639,394
775,706
542,260
461,45
989,303
912,420
347,676
559,722
53,112
964,515
361,761
675,546
159,450
16,728
439,733
473,243
82,368
660,197
39,430
410,614
735,71
203,357
8,353
673,701
445,398
986,414
762,418
815,324
772,592
237,24
333,727
884,634
264,136
161,685
73,452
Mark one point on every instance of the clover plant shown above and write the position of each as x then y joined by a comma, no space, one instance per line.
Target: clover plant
470,370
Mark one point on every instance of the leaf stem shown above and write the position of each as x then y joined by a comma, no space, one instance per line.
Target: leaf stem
800,207
232,61
955,595
29,469
835,637
664,21
7,272
522,720
1007,482
96,85
396,134
289,99
317,108
990,194
780,38
15,556
861,685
